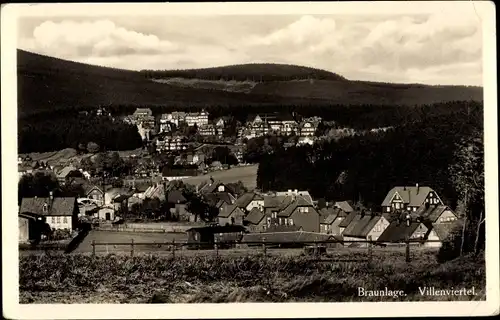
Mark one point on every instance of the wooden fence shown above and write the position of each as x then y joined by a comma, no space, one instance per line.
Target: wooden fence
315,247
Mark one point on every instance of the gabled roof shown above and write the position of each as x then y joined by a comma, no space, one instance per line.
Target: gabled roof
214,198
88,187
227,210
273,201
356,226
411,195
369,226
176,196
141,187
328,219
60,206
431,212
294,204
244,200
331,214
65,171
398,231
346,206
209,187
350,217
255,216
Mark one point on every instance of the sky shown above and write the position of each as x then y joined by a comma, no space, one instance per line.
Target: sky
436,48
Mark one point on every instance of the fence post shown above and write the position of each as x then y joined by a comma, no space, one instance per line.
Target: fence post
370,249
173,248
264,245
407,250
132,248
93,247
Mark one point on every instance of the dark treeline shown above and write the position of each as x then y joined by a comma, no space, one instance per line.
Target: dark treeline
368,166
259,72
59,132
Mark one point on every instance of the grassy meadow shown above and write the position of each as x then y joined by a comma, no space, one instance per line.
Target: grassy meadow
246,174
58,278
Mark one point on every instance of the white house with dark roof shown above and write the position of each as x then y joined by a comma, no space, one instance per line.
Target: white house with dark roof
410,198
59,212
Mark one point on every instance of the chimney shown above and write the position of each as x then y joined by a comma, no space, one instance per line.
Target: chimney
408,219
417,188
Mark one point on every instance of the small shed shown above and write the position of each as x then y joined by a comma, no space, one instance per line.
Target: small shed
206,236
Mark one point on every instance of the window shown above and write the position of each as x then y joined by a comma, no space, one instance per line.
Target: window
414,208
291,222
65,220
58,219
388,209
53,219
281,221
286,222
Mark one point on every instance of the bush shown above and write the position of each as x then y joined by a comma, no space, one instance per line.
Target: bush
451,246
59,234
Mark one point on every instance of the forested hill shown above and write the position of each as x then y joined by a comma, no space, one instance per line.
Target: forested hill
47,84
261,72
50,85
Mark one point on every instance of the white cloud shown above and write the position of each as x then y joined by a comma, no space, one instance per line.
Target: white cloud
95,38
429,49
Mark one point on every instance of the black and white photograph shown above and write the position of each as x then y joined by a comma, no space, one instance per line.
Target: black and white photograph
231,155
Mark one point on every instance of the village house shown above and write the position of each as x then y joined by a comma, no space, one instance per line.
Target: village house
218,199
197,118
304,194
178,206
405,228
256,220
308,128
166,123
409,198
207,130
436,213
330,220
229,214
212,186
62,175
250,200
171,143
346,206
297,210
365,226
94,192
59,212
